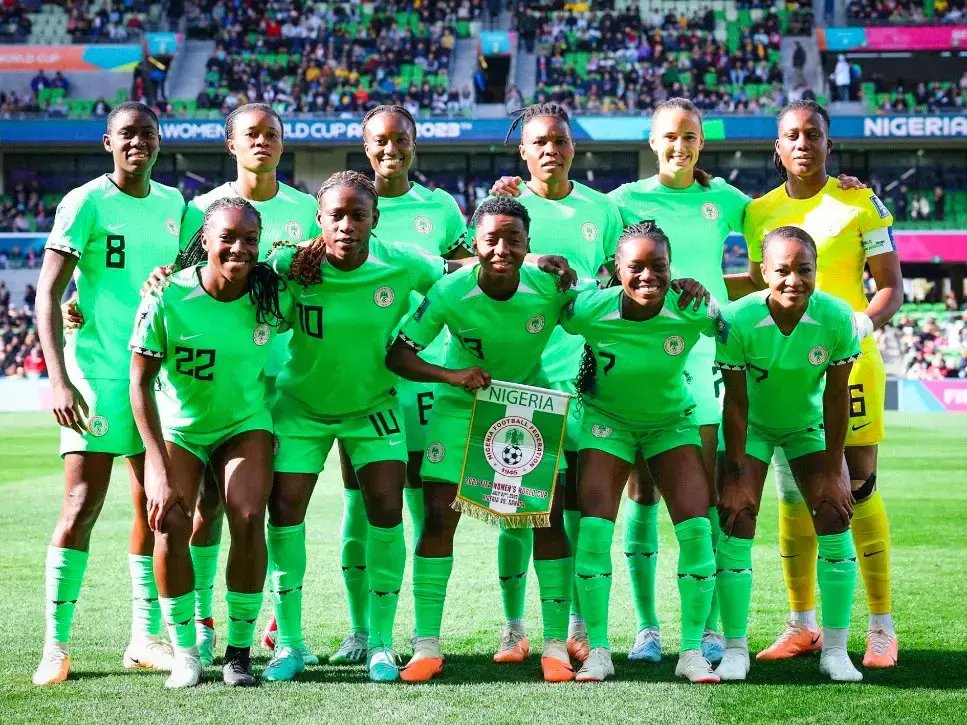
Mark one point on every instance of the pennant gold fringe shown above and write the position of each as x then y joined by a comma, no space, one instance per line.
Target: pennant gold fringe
529,521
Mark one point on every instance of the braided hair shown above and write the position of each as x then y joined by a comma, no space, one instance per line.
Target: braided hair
647,229
262,285
703,177
306,267
390,108
810,106
524,115
264,107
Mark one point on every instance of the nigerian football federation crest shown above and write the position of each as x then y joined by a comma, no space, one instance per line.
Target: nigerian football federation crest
384,296
601,431
535,324
98,426
423,225
435,452
261,335
674,345
818,355
710,211
294,231
589,231
513,446
172,226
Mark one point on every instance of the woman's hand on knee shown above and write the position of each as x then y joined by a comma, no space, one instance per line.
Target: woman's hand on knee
830,497
738,505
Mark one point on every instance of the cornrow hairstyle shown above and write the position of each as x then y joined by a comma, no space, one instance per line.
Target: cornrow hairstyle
524,115
790,232
588,370
803,105
703,177
306,267
262,285
264,107
390,108
130,107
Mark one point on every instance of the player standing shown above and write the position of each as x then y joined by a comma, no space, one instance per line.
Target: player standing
852,229
786,354
109,233
500,314
638,332
203,343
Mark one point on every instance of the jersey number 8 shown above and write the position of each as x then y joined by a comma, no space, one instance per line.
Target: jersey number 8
114,250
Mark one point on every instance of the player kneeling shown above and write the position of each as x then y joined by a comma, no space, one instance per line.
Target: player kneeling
632,382
205,338
512,309
786,354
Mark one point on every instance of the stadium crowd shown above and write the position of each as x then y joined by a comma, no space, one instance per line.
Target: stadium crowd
20,353
622,61
905,11
932,347
25,210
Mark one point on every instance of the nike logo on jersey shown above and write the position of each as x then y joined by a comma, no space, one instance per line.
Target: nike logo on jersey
183,338
646,212
858,427
465,331
395,443
607,344
114,227
868,554
309,297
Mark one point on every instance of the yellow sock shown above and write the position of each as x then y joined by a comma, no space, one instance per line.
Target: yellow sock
871,536
798,548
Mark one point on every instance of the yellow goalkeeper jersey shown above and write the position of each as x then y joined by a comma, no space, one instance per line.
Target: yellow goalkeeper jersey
848,226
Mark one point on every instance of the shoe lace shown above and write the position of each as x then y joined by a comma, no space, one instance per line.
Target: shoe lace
511,638
239,664
53,655
351,643
645,636
791,630
879,641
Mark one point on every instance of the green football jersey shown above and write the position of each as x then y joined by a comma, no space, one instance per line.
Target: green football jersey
342,327
505,338
428,219
785,374
213,354
640,365
583,227
288,216
697,221
117,239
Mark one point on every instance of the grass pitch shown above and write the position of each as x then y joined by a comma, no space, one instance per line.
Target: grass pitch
922,471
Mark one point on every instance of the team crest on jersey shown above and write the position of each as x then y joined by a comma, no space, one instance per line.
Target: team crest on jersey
423,225
294,231
674,345
98,426
535,324
261,335
601,431
710,211
818,355
435,452
172,226
589,231
513,446
384,296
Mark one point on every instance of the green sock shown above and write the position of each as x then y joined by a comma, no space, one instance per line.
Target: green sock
696,578
713,613
145,610
593,574
641,553
204,559
243,612
734,584
555,577
385,560
178,613
287,570
353,560
572,527
65,573
414,504
430,577
513,555
836,571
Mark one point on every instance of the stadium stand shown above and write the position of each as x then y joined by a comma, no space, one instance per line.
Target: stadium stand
20,353
932,340
905,12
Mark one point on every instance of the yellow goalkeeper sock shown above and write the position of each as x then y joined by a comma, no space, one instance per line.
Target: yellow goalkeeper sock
798,548
871,536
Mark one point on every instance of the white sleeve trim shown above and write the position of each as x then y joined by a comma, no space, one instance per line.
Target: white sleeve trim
845,360
878,241
728,366
146,352
62,248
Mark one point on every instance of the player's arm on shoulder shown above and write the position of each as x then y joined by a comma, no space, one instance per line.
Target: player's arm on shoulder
281,256
69,407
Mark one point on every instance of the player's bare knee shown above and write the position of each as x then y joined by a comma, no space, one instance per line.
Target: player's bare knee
247,523
175,528
740,523
550,543
77,519
827,518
